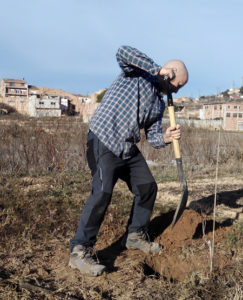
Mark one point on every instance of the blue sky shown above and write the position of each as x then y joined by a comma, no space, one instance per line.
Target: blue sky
71,44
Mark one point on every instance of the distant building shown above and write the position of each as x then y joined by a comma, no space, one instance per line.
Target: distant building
14,92
67,107
46,106
29,100
45,102
87,110
16,88
65,103
85,99
33,90
79,101
231,114
234,91
212,111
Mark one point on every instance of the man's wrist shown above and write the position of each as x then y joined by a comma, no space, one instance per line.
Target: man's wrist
167,140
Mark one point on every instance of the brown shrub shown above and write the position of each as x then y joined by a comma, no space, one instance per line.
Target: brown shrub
34,146
38,146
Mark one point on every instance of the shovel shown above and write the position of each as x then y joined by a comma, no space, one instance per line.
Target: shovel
184,195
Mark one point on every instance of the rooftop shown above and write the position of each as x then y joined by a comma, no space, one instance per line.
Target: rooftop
226,103
14,80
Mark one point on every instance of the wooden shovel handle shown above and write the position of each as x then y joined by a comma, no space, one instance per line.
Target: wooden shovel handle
173,124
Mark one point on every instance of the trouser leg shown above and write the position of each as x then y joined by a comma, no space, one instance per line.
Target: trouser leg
142,184
104,167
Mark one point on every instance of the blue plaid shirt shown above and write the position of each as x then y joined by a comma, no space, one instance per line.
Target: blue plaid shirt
131,103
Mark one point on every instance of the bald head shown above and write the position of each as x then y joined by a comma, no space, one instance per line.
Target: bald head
180,71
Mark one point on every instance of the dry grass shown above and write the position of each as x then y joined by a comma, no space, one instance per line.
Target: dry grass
38,217
199,149
34,146
39,146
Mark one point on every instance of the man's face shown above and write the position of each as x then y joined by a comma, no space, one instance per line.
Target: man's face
172,88
176,83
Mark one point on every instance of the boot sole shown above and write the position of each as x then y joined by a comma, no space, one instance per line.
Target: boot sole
92,274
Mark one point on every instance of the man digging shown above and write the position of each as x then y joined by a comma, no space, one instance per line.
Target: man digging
133,102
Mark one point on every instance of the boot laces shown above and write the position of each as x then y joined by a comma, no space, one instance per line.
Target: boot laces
88,253
144,236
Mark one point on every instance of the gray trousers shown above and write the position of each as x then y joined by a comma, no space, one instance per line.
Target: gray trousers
106,168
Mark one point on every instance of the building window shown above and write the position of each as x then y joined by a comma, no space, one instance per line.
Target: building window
235,107
240,115
41,102
234,115
53,103
228,106
11,84
228,115
215,107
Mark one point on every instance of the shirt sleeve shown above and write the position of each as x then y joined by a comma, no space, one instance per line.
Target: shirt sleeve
130,59
154,135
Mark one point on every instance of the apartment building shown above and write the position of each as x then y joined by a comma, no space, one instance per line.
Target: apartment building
46,106
14,92
14,88
231,114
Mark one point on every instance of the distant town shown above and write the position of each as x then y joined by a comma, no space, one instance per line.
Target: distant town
224,110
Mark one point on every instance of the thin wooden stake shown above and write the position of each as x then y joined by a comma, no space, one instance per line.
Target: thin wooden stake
215,203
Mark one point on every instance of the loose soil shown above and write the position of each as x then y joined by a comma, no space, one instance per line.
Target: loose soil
36,267
187,250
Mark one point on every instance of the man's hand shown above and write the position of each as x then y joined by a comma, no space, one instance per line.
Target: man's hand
170,72
172,133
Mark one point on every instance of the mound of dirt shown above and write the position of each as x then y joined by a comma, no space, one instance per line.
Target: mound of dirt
183,231
186,251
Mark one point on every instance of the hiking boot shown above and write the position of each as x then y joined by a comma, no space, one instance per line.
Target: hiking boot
81,259
140,241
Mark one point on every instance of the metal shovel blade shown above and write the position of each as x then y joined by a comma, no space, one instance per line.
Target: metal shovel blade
184,196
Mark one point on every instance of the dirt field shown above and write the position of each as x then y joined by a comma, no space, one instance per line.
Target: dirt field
39,215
